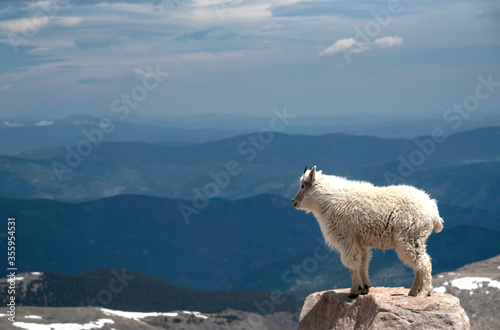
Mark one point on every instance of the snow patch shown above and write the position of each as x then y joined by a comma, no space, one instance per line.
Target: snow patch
196,314
440,289
36,273
441,276
18,278
3,315
472,283
32,317
64,326
44,123
135,315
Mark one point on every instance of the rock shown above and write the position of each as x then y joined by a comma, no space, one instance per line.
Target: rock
382,308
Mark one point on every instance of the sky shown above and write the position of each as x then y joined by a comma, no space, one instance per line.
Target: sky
184,57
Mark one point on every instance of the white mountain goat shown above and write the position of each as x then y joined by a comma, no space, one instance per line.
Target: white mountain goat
356,216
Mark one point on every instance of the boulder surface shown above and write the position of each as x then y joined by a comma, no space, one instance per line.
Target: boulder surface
382,308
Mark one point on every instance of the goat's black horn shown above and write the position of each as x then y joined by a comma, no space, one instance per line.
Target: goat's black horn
305,169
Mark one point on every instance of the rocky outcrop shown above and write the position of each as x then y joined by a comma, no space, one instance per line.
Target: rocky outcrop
382,308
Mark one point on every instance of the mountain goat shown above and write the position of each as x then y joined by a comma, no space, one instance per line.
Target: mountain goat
355,217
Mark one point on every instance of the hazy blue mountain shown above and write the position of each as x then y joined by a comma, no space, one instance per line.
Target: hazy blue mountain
20,136
461,171
244,244
383,126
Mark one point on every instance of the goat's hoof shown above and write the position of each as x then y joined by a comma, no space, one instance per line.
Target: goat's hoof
413,292
366,289
423,293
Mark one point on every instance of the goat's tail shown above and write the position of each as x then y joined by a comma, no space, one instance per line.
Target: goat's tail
437,222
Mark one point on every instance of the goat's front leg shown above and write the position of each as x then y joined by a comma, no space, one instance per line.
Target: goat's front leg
357,287
365,261
351,257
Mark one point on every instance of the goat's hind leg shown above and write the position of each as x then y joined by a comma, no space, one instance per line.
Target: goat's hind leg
417,258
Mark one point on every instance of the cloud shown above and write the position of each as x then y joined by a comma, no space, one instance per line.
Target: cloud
94,41
353,46
35,23
387,42
233,12
44,123
94,80
6,10
5,87
9,124
24,24
338,46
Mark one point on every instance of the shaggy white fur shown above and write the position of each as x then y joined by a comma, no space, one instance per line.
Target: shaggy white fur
356,216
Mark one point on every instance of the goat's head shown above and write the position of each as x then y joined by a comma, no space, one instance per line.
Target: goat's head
302,199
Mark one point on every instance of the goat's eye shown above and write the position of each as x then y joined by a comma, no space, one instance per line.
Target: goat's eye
302,186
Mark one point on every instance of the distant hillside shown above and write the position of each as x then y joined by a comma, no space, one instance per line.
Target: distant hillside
244,244
478,287
132,292
463,171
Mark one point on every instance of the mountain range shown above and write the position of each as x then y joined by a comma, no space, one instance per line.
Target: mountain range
462,171
250,244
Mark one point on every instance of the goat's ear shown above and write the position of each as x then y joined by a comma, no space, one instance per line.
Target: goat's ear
312,174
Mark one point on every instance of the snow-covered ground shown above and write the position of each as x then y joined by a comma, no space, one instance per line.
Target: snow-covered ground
135,315
469,283
197,314
64,326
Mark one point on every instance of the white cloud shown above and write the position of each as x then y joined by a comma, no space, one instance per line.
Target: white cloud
67,21
24,24
35,23
44,123
9,124
338,46
387,42
203,3
358,47
40,50
224,12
